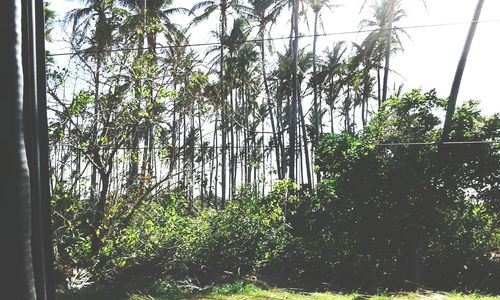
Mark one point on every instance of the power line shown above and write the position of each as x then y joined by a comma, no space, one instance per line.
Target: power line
437,143
275,38
254,147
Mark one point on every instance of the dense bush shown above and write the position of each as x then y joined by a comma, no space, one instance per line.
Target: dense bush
420,213
384,216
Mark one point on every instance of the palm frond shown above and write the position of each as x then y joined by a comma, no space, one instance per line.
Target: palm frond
177,10
77,15
205,15
203,4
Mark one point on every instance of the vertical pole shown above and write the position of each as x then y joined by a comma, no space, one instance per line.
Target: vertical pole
295,91
45,207
388,49
452,100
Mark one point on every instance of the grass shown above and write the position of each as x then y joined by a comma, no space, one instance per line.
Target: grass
245,291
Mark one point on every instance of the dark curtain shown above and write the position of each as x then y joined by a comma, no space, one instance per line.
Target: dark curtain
26,258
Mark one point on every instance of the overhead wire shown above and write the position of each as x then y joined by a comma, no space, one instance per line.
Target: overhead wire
204,44
253,147
286,38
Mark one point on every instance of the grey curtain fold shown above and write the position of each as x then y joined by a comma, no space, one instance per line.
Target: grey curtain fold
25,259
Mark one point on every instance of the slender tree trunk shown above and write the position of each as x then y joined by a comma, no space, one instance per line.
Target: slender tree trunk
379,89
304,141
203,184
96,240
263,160
277,141
295,92
173,152
134,151
452,100
93,175
192,153
331,119
366,97
145,156
317,106
223,103
215,157
300,164
315,87
232,158
281,135
388,48
353,121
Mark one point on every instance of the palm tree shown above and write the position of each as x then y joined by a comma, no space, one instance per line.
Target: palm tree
150,16
101,40
223,7
264,13
331,77
385,18
154,16
236,42
368,57
452,100
317,6
391,12
295,91
387,13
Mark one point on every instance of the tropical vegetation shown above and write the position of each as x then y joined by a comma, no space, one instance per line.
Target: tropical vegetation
215,162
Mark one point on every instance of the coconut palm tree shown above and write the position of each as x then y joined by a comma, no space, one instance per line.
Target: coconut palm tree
295,90
317,7
385,39
151,17
99,14
155,17
452,100
331,77
386,14
222,7
264,14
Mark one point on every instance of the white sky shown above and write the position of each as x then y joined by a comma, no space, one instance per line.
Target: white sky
430,58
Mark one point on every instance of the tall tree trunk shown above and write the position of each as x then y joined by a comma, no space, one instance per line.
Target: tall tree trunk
246,166
452,100
215,156
304,141
331,119
295,92
317,106
278,145
151,40
203,184
223,103
366,97
388,47
192,153
173,152
315,86
379,90
93,175
232,158
96,240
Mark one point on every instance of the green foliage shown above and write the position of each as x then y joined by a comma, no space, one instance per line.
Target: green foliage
245,237
383,216
411,213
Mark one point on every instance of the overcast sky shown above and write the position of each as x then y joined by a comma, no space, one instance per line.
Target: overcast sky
430,57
